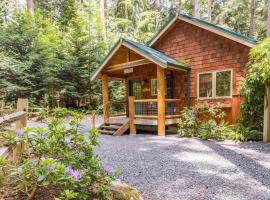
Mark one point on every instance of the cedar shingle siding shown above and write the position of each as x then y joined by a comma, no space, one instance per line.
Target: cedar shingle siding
204,51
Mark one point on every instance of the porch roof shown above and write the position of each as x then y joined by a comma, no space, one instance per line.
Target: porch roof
147,52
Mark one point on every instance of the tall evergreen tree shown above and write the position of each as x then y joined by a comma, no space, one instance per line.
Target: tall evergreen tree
252,18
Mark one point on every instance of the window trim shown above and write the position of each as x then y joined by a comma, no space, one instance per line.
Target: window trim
214,82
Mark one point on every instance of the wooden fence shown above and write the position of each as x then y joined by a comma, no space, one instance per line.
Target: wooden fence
20,117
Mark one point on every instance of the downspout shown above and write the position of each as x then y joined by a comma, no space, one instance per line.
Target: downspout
188,88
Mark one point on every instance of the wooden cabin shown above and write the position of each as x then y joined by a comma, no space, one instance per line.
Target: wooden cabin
188,61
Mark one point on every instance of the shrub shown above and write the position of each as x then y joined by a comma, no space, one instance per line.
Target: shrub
2,168
62,112
207,122
253,88
203,121
61,157
242,132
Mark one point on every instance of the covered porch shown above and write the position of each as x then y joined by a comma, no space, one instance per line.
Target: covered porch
157,87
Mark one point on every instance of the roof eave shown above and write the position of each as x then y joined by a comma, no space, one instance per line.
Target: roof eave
201,25
219,32
178,66
126,44
106,59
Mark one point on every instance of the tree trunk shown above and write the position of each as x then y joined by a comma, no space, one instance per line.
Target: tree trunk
268,19
252,18
209,10
126,14
177,5
157,4
196,8
103,18
30,6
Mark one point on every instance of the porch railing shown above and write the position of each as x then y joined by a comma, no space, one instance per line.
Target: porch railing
148,108
118,108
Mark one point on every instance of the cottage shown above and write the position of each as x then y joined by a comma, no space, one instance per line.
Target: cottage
188,61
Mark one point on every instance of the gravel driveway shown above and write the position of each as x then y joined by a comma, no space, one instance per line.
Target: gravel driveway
166,168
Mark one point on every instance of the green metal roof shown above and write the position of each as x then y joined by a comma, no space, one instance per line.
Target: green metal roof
249,39
211,25
156,55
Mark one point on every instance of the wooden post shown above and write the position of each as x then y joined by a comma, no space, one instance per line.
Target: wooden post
266,122
132,126
2,105
126,96
93,119
161,100
105,94
22,105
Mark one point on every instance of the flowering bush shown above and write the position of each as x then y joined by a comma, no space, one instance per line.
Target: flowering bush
203,121
63,158
207,122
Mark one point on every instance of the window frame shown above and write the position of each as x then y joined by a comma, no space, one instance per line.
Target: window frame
214,84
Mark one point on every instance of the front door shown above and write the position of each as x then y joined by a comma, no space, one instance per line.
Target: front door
135,89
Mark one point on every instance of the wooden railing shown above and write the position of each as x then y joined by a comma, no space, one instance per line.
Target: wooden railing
173,108
20,117
148,109
118,108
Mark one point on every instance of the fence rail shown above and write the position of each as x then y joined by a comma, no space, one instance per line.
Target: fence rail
7,119
20,117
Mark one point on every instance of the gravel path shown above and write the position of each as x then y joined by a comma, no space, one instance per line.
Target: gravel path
172,168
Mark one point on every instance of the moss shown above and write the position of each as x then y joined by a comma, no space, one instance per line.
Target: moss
122,191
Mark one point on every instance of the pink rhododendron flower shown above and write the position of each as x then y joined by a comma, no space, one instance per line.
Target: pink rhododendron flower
19,132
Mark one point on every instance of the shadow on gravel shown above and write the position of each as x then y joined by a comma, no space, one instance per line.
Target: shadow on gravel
175,168
246,164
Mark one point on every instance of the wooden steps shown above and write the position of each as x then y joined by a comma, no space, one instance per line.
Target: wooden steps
114,127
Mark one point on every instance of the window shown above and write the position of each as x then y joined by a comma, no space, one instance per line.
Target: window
205,85
135,88
168,87
154,87
215,84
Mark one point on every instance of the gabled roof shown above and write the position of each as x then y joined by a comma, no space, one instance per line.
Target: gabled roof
155,54
207,26
147,52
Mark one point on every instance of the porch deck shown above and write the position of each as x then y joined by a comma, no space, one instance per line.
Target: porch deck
140,121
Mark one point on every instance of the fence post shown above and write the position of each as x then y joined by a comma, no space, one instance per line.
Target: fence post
266,124
2,105
132,126
93,119
22,105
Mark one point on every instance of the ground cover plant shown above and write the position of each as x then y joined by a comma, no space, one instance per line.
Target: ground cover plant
59,162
